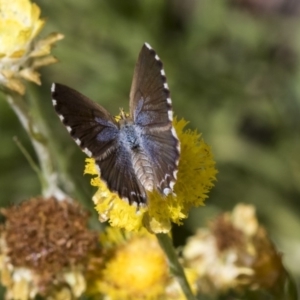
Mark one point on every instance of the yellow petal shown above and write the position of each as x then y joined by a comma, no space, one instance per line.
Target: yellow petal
44,61
30,75
15,85
43,47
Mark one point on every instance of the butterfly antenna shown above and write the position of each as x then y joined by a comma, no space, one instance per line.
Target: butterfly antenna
122,114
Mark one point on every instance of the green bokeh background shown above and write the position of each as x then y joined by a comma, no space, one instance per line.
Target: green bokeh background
233,73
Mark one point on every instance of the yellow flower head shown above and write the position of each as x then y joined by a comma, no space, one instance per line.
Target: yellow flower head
20,54
137,270
196,173
134,267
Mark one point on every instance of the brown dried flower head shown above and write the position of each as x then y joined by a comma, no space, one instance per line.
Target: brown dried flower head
49,239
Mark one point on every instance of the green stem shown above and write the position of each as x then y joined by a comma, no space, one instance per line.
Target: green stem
175,267
39,143
30,160
286,288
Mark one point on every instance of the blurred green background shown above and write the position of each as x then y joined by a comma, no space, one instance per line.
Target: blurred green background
233,71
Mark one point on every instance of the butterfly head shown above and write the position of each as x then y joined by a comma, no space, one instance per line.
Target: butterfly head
124,119
123,115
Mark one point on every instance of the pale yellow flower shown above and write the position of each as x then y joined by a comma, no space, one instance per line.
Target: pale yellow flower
20,53
235,253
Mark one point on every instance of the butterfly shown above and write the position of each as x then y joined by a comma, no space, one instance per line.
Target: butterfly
140,151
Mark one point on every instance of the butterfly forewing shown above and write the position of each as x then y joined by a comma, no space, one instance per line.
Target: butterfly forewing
151,109
90,125
150,103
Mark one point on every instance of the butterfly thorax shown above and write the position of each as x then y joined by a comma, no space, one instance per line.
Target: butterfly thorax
130,138
129,133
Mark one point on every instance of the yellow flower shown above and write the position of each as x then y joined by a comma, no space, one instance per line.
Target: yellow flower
235,253
134,267
196,173
20,54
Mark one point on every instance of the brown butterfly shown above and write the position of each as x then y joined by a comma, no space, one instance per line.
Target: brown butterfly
138,153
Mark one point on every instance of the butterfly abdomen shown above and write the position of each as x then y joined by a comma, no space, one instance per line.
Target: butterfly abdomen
130,137
143,169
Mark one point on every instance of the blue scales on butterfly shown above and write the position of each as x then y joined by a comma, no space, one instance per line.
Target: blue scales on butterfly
138,153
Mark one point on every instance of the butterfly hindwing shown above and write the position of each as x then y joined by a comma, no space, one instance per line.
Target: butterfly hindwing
166,162
118,173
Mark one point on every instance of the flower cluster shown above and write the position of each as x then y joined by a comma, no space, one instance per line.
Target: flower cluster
46,249
20,54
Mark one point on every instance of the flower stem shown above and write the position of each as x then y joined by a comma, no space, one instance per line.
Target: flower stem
175,267
39,141
30,160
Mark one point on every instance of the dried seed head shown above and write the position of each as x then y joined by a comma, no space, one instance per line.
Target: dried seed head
47,236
